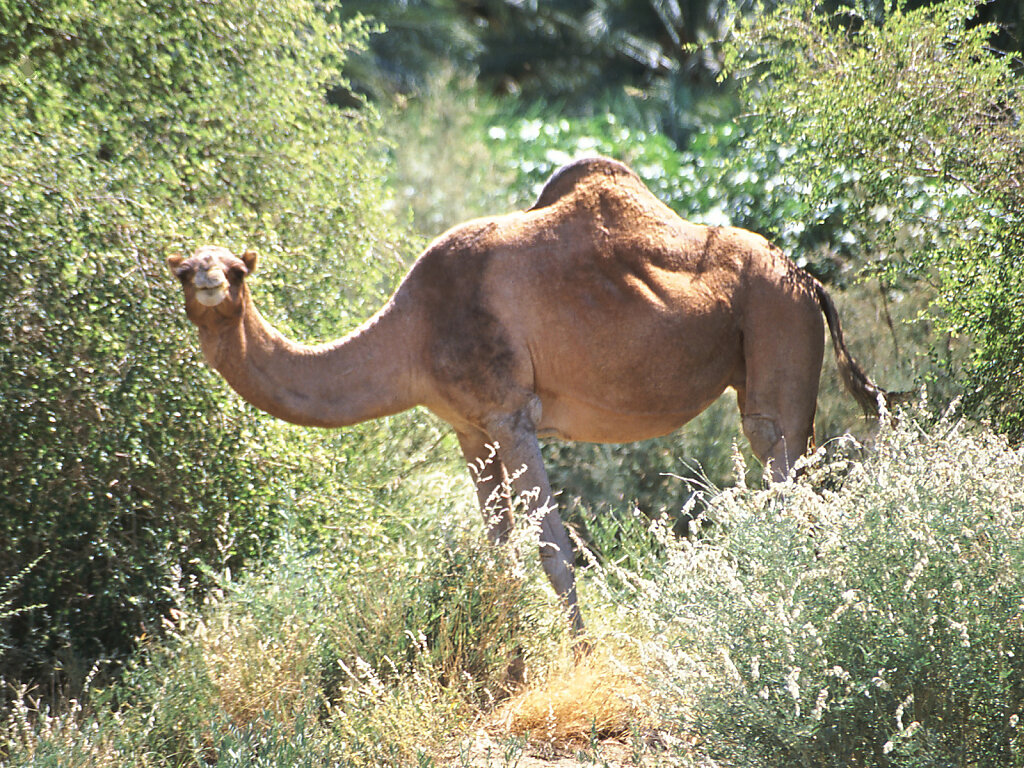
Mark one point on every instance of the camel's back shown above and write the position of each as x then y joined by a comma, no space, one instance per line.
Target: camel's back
595,223
601,212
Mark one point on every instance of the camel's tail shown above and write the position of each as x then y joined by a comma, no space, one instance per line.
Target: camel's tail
864,391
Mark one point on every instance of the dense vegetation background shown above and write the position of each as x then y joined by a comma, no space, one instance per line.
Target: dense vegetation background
186,581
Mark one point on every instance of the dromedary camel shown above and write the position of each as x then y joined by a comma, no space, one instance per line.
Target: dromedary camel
596,315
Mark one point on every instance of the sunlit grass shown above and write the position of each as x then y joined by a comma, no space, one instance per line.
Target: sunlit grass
601,695
870,611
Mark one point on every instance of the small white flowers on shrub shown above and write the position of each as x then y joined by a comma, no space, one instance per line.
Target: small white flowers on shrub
810,616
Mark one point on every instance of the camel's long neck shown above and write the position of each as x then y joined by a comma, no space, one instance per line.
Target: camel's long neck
368,374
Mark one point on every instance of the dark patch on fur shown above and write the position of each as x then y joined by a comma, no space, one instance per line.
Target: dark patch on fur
471,354
475,353
706,255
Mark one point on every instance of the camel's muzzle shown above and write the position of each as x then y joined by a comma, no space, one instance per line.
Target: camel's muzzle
211,287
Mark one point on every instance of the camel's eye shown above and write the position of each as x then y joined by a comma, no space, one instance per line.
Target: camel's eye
237,272
184,272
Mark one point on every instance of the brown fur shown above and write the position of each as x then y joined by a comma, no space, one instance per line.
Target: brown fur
596,315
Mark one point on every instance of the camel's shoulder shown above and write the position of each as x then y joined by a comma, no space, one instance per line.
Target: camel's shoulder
584,172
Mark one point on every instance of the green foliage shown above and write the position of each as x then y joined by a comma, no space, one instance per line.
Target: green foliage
360,655
125,467
922,118
555,49
652,57
415,39
441,168
875,624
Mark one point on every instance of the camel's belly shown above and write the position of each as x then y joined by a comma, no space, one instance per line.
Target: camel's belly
644,390
577,420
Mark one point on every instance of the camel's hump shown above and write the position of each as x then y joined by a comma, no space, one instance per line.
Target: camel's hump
569,176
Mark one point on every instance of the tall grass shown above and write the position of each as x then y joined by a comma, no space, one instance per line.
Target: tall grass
870,613
877,623
361,651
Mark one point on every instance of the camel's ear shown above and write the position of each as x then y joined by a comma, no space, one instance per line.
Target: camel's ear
174,262
249,258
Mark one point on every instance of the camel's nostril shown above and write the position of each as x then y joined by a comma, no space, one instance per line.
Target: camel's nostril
210,278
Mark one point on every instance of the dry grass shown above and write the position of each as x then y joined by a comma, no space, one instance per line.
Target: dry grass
601,696
259,676
30,725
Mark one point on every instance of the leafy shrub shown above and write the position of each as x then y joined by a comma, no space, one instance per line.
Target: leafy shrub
922,117
876,624
363,653
442,169
565,50
125,466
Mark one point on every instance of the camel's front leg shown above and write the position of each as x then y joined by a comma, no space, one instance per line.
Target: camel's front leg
491,484
520,453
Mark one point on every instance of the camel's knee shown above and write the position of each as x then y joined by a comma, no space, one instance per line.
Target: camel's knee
764,434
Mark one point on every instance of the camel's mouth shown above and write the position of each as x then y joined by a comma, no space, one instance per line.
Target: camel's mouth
211,296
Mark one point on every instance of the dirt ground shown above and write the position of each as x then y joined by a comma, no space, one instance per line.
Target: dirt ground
486,752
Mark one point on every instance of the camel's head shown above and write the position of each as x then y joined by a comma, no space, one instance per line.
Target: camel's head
214,282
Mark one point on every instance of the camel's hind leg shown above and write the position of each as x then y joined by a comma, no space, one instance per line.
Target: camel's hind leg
783,354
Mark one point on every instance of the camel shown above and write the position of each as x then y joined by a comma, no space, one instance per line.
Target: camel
596,315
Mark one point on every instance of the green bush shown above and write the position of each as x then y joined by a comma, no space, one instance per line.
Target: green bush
917,118
126,468
361,654
876,624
